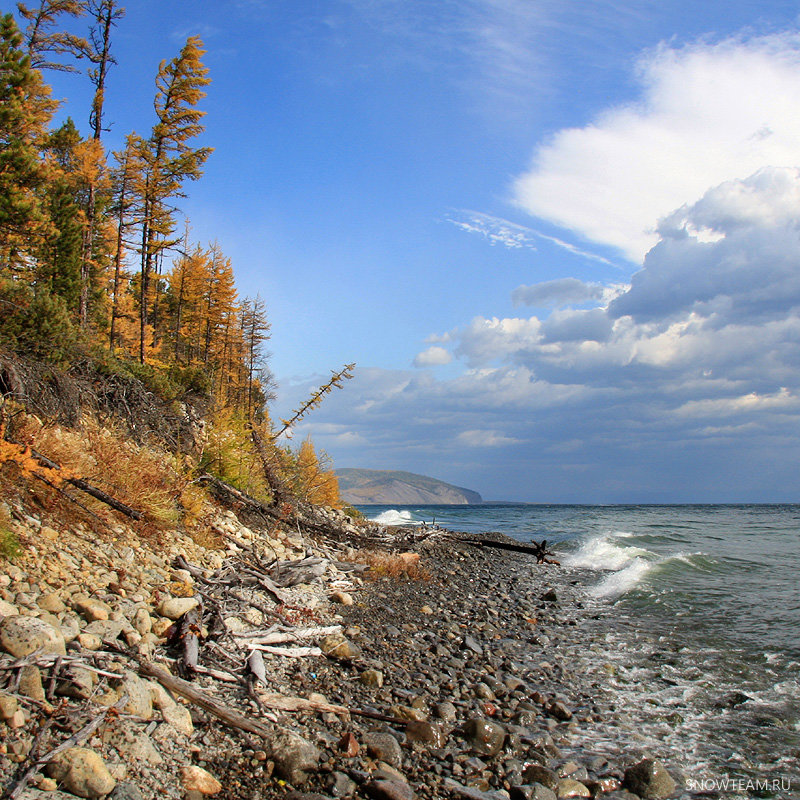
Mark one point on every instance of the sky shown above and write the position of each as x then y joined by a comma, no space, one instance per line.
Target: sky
559,238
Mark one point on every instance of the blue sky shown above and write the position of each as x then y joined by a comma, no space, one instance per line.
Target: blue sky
559,239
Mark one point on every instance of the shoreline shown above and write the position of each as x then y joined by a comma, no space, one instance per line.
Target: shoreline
463,685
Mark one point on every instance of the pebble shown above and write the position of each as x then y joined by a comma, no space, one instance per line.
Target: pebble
194,778
175,607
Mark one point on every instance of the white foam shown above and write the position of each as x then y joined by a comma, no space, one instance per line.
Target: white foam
601,553
395,517
619,582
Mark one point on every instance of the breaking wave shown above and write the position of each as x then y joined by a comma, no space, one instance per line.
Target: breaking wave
394,517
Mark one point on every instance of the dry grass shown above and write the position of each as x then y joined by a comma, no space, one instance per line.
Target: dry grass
392,565
148,479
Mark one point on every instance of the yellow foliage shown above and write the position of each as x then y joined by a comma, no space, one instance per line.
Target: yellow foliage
315,482
149,480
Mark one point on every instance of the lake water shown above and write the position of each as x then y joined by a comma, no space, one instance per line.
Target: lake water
697,608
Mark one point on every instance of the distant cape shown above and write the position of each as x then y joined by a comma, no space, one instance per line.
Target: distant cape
388,487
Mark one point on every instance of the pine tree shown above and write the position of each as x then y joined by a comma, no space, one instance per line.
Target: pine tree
169,160
26,109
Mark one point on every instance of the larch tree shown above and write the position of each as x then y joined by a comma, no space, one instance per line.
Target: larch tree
255,333
42,42
104,13
26,109
125,177
169,160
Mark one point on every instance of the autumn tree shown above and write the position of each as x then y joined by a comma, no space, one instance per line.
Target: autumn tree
104,13
26,109
314,481
169,160
42,41
125,177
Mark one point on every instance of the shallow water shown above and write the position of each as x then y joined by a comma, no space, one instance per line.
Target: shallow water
686,606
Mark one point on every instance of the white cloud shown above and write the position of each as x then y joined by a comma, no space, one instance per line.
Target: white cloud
707,113
483,438
497,230
434,356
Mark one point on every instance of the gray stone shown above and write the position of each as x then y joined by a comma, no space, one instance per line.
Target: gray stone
30,683
339,785
445,711
649,779
294,757
567,787
176,607
131,743
91,609
372,678
471,644
535,791
385,747
22,636
534,773
388,790
76,682
126,791
339,647
426,733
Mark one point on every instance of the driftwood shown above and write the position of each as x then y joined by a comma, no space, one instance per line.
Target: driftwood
289,652
281,702
280,637
185,634
304,570
199,698
537,549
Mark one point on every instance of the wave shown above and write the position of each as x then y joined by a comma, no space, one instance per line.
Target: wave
394,517
626,566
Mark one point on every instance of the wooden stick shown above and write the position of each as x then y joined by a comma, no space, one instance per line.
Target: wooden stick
204,701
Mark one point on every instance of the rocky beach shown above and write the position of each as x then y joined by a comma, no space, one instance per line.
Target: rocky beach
370,663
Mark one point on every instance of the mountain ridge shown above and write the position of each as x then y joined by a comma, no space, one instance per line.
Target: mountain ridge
385,487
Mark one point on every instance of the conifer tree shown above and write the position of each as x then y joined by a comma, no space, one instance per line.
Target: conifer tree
255,332
41,41
105,14
26,109
126,176
169,160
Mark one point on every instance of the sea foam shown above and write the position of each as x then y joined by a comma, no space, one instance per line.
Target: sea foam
395,517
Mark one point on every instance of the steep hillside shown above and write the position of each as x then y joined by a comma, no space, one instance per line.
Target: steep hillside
384,487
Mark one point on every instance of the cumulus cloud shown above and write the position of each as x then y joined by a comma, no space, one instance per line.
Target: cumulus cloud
434,356
706,113
688,376
556,293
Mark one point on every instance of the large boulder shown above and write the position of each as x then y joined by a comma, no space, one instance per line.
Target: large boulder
650,780
22,636
294,757
82,772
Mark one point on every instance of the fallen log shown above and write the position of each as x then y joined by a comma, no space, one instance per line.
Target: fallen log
93,491
538,549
